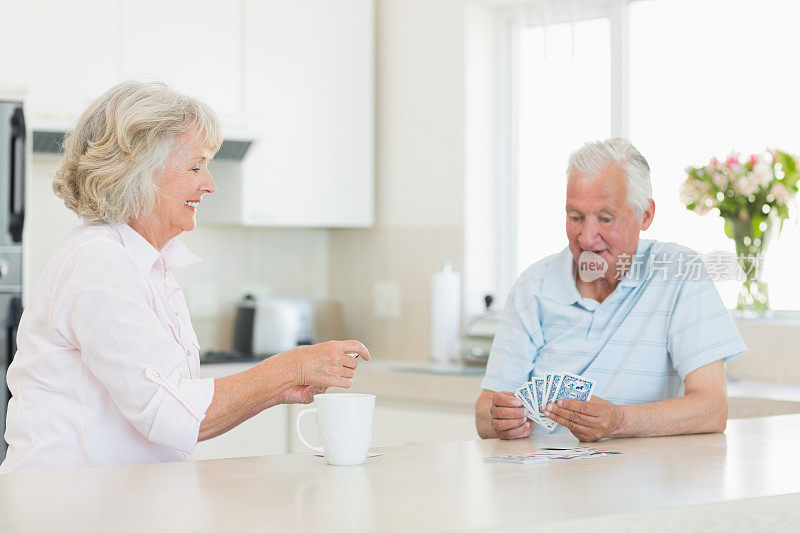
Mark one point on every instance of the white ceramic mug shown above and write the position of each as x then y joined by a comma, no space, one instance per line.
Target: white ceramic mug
344,423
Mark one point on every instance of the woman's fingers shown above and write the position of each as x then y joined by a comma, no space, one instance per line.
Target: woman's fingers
348,361
355,347
338,381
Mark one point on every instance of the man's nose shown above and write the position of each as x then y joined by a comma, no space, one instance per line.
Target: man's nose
589,234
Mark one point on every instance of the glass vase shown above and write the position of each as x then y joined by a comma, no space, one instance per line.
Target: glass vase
751,247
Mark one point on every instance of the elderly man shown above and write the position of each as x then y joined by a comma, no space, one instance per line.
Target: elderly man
648,325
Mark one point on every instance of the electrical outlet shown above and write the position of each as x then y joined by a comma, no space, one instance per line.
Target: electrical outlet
386,299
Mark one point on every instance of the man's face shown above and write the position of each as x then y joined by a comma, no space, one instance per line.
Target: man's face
601,220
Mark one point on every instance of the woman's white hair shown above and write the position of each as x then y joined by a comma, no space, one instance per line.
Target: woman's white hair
594,157
121,144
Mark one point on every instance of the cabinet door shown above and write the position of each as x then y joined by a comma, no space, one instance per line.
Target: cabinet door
309,86
192,44
73,52
264,434
15,42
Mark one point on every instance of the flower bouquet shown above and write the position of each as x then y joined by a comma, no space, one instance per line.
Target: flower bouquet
752,196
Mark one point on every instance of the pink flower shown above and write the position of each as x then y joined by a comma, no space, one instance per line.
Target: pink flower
733,161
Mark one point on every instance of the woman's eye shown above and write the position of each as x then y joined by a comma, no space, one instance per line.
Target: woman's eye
607,220
195,170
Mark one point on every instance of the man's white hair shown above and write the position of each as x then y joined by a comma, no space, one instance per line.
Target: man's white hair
594,157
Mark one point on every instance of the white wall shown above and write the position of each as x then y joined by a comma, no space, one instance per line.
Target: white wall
420,113
420,177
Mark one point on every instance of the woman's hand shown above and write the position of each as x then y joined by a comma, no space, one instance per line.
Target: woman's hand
301,394
328,364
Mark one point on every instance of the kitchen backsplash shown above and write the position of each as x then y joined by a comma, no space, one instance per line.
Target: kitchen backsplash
399,260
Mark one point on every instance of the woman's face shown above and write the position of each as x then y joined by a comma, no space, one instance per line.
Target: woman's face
184,181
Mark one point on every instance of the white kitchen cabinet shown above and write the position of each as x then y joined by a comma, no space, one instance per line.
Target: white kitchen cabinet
17,55
309,67
195,45
70,54
264,434
398,423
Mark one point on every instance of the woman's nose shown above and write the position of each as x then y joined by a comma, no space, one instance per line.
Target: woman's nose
210,185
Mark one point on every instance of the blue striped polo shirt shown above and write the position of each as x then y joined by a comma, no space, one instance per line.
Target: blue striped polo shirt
663,320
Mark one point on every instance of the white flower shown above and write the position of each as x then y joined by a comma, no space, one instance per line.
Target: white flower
688,192
745,186
762,172
720,180
780,193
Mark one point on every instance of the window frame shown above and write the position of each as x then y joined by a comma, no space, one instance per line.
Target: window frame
541,13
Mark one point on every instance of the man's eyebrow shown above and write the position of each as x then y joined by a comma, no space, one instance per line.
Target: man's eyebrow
570,208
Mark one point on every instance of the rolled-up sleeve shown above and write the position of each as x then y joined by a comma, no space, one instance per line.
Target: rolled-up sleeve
701,330
123,344
515,345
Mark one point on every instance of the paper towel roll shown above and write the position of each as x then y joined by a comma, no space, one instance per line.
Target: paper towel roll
445,313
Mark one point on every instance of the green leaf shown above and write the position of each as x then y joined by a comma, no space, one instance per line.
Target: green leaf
755,224
729,228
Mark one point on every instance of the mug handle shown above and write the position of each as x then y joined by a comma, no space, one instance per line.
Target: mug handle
300,435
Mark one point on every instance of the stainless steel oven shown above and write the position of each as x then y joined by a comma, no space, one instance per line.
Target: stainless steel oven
13,136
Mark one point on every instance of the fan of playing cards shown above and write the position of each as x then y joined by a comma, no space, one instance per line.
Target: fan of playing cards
540,391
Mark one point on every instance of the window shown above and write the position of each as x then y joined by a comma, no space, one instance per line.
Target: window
684,79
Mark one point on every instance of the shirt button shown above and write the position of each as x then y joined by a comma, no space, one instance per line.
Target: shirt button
177,314
155,373
188,351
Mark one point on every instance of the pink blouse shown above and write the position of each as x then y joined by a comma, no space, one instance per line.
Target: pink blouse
107,367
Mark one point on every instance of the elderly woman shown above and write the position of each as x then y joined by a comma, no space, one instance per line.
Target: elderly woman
107,367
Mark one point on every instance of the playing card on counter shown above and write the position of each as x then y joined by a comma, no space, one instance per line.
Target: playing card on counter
576,452
524,459
545,454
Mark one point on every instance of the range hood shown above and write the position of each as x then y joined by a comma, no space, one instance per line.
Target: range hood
48,139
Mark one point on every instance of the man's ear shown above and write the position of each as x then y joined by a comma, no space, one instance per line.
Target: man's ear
649,214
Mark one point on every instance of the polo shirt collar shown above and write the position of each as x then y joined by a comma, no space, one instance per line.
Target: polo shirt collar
174,255
559,280
640,265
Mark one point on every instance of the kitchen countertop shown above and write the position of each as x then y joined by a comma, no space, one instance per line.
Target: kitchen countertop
742,480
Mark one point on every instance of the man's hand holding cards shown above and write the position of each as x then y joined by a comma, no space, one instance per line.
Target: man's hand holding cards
539,395
508,417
